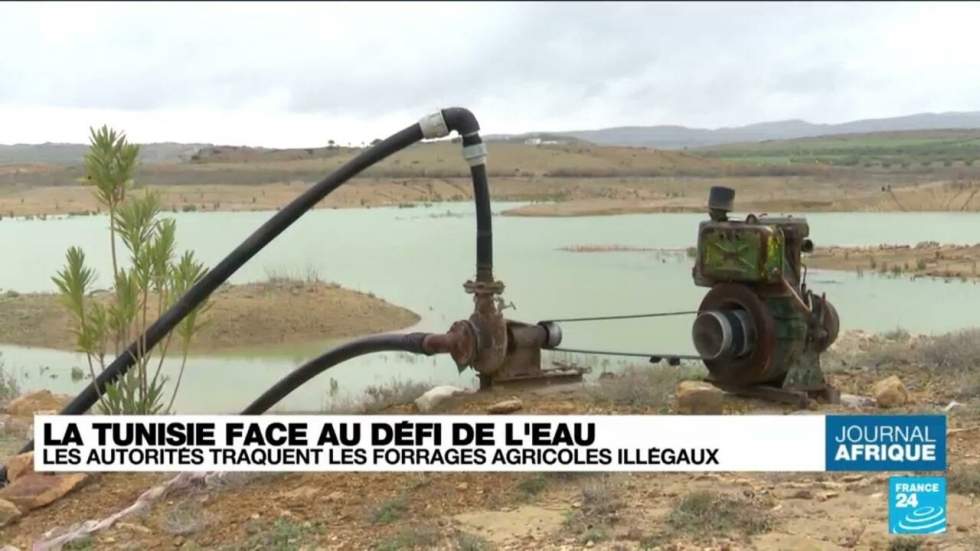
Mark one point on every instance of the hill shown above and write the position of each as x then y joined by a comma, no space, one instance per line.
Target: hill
679,137
72,153
912,149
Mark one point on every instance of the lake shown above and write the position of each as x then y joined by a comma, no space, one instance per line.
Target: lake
419,257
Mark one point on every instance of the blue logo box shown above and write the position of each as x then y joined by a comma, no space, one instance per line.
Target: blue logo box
886,443
917,505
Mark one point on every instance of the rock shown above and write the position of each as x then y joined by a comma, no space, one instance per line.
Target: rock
20,465
856,402
462,486
507,406
8,512
698,398
435,396
37,490
890,392
38,401
335,495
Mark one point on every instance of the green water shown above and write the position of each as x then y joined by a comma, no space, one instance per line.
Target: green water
419,257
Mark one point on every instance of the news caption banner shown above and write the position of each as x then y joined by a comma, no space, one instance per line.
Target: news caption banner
407,443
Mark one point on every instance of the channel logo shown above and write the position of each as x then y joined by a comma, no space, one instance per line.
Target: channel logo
886,443
917,505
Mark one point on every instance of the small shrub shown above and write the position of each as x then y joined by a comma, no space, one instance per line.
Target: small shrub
466,541
897,334
905,544
281,535
599,511
709,513
9,387
965,481
184,518
959,351
533,485
414,537
390,510
648,387
83,543
396,393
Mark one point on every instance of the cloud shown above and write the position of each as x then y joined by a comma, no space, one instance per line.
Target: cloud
358,69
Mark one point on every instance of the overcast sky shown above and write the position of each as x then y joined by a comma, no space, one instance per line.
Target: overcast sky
300,74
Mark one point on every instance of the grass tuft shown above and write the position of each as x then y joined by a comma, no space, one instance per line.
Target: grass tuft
709,513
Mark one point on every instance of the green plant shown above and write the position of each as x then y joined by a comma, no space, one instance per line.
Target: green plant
965,480
110,165
390,510
9,387
466,541
423,536
708,513
643,387
153,281
904,544
533,485
281,535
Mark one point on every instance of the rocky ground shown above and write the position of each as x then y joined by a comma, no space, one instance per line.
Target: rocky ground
472,511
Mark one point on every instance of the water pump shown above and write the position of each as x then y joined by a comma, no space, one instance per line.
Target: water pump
760,330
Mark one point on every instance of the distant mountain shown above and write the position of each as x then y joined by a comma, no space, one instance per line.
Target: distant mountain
72,153
678,137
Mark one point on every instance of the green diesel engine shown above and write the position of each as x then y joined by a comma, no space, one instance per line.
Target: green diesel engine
759,329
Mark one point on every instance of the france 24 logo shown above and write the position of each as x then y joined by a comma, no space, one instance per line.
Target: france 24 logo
917,505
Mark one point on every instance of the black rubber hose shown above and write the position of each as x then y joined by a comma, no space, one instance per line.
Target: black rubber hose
411,342
461,120
484,231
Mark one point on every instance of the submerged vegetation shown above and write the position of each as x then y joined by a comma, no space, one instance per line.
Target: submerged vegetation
154,279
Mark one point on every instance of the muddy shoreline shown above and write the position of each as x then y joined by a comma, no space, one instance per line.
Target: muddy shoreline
546,196
241,316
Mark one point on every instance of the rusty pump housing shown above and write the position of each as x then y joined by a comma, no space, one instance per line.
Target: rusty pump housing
760,330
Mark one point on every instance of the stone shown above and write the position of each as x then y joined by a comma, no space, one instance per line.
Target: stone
8,512
37,490
699,398
20,465
38,401
890,392
435,396
507,406
854,401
